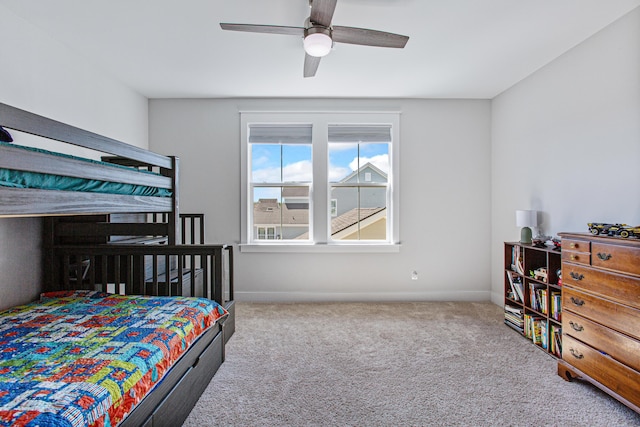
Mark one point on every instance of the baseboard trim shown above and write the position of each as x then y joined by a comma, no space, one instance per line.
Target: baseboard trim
469,296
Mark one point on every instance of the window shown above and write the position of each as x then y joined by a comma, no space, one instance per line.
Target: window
334,207
312,179
362,189
266,233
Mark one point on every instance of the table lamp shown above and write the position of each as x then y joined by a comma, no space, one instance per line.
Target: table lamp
526,220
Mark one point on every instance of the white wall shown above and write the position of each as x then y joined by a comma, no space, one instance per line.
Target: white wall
566,141
44,77
444,200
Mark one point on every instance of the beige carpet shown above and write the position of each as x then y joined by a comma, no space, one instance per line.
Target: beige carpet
395,364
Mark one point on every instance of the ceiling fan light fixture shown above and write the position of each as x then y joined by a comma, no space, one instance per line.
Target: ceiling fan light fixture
317,42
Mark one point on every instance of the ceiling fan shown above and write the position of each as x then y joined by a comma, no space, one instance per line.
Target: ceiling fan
319,35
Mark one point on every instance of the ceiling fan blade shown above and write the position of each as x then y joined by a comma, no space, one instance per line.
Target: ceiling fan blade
270,29
366,37
322,12
310,65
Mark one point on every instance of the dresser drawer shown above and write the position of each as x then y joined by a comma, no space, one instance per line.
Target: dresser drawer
617,287
618,258
578,251
620,317
577,257
612,374
619,346
574,245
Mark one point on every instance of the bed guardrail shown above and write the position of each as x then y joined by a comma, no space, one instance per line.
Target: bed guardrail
138,269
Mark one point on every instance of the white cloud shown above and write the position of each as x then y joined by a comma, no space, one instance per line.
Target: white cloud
295,172
337,173
380,161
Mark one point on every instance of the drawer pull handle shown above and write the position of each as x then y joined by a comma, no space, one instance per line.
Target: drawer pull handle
576,354
576,276
574,257
573,245
577,301
576,327
604,257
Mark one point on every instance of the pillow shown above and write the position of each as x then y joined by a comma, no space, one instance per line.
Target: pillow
72,294
5,136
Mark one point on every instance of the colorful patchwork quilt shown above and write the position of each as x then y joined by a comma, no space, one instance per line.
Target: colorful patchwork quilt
83,358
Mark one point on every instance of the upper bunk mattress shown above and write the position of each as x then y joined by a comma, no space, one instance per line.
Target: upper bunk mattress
45,181
83,358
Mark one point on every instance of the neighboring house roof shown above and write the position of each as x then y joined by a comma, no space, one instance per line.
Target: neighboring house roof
362,169
350,218
295,192
270,212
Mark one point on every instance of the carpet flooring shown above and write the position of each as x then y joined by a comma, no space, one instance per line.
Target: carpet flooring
392,364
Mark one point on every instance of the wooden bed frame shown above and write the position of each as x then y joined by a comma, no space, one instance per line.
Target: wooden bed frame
34,202
195,269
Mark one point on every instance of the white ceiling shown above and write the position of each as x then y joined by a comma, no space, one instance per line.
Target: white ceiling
457,48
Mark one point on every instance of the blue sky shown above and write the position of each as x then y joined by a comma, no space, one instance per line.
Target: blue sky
292,163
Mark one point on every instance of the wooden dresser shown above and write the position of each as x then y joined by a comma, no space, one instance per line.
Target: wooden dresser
601,314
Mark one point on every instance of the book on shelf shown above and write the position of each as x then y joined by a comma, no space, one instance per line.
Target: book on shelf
532,326
516,287
512,309
513,317
555,340
538,298
518,321
556,305
513,326
517,264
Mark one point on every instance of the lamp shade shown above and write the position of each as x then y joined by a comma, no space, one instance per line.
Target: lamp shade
317,42
526,218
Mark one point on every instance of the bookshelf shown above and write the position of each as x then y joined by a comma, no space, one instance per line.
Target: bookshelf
533,294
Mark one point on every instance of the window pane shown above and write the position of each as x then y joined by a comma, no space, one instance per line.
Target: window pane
296,161
361,213
273,163
373,213
359,162
266,212
283,212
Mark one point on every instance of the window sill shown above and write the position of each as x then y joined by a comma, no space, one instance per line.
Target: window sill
319,248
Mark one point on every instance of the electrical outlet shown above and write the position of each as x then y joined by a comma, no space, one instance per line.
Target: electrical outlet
414,275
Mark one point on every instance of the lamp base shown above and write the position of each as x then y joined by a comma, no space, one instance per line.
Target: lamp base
525,235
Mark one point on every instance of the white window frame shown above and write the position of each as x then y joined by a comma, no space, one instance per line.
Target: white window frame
319,191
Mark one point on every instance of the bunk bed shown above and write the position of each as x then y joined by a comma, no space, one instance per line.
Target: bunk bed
96,267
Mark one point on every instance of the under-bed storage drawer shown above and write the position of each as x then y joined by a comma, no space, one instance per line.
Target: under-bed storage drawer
201,360
615,376
179,402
